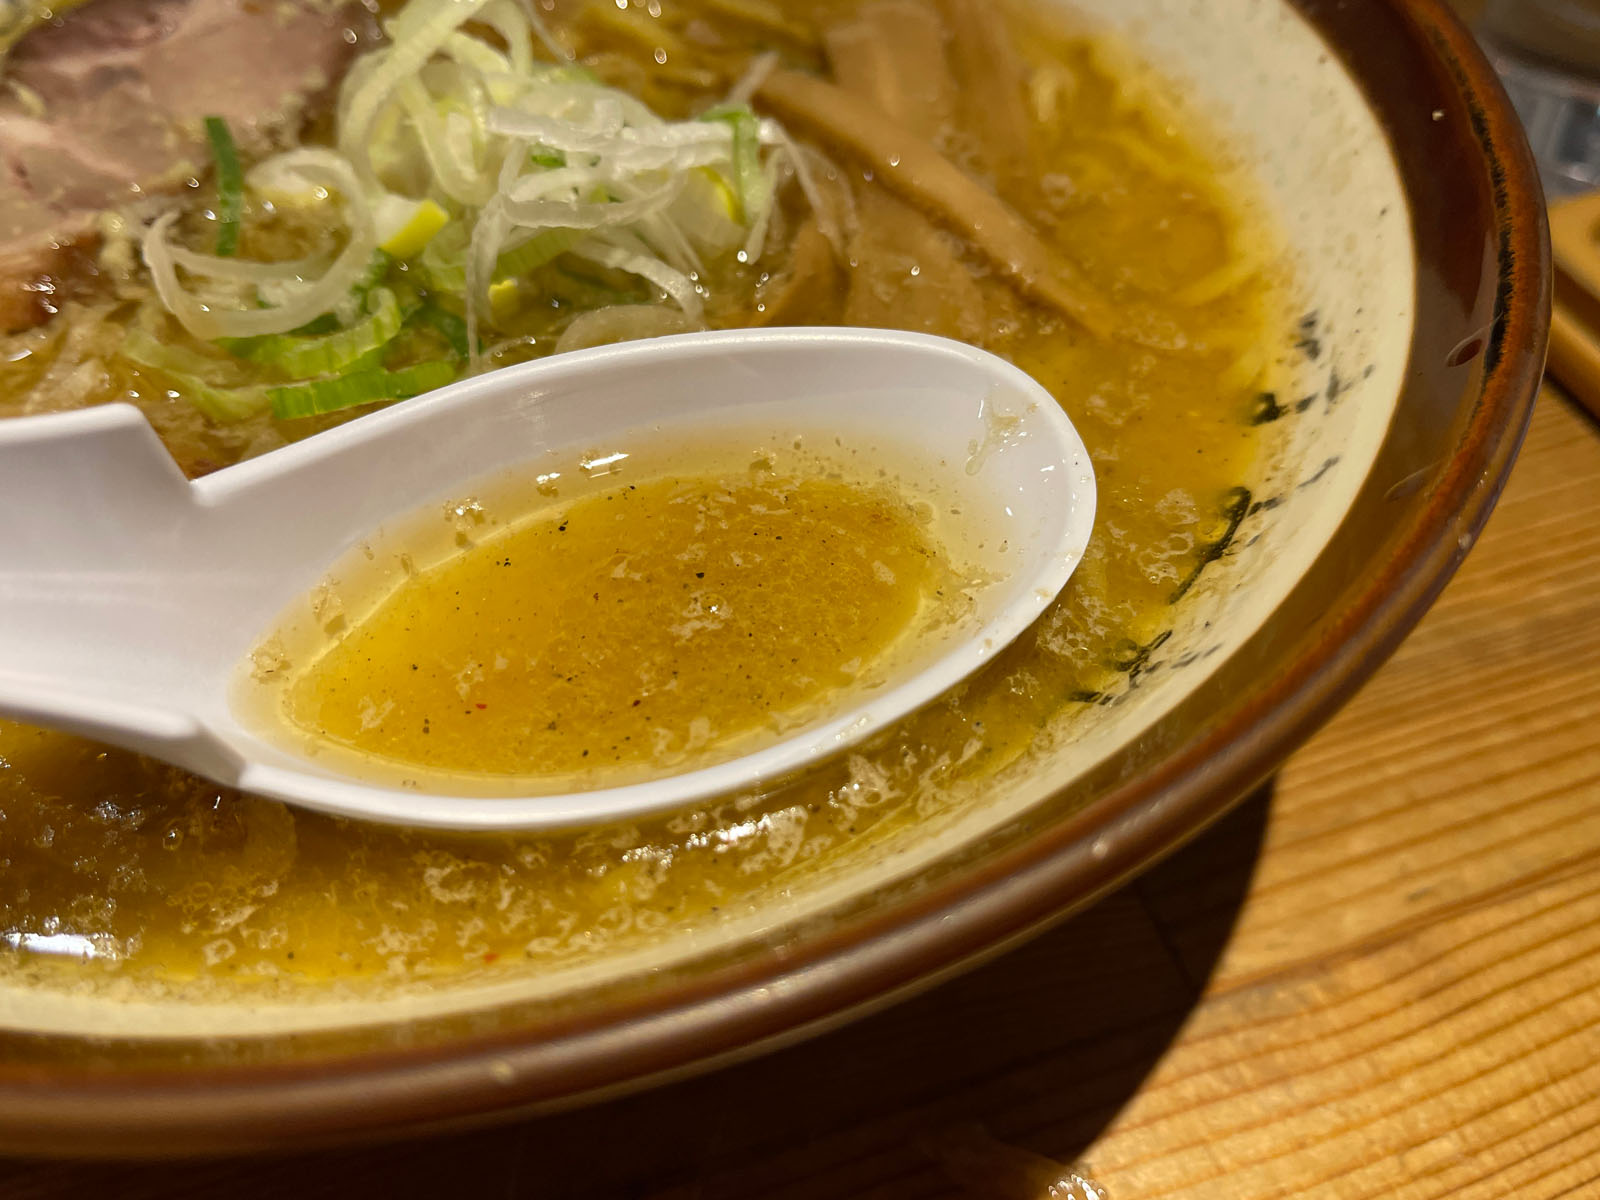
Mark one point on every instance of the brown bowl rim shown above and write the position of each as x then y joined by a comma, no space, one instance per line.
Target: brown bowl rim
871,960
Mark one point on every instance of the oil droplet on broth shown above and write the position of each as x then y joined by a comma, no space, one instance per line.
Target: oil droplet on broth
651,625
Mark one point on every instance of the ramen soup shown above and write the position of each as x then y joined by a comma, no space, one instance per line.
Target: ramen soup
385,201
619,631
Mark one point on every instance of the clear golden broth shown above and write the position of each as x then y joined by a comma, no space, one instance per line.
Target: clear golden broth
649,628
166,877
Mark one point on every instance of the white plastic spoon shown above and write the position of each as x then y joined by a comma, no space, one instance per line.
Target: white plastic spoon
131,597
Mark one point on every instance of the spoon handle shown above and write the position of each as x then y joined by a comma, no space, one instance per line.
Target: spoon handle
82,481
95,494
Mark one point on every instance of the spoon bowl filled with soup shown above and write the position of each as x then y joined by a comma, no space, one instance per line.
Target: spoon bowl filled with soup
1193,225
579,590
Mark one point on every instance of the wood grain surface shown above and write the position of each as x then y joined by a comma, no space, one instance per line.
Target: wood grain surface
1378,978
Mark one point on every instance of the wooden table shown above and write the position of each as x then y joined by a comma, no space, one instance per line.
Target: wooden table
1379,979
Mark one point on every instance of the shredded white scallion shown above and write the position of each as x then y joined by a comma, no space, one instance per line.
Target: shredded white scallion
456,132
304,300
637,262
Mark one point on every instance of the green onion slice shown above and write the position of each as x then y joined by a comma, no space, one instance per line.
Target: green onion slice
304,357
535,252
444,260
448,325
358,387
230,185
749,180
186,369
377,269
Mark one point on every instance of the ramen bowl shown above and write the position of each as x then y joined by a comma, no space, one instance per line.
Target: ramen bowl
1386,154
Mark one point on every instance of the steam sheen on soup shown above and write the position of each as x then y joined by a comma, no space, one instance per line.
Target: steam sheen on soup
951,166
